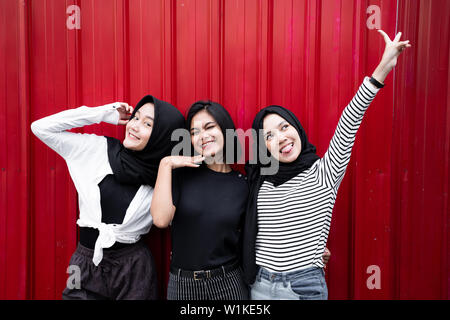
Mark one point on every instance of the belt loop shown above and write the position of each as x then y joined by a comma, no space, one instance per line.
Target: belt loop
179,273
223,269
258,275
283,277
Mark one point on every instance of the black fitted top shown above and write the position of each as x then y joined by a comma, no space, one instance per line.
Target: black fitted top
210,208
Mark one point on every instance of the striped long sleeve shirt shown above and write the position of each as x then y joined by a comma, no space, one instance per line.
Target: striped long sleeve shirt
294,218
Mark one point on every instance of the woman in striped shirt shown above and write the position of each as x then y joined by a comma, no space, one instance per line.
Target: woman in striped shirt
289,213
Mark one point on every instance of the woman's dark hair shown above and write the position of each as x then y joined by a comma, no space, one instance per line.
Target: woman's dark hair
223,119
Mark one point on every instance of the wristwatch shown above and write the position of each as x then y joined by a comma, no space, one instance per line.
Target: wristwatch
376,83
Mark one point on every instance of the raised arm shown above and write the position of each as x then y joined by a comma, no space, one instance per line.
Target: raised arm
52,129
339,151
163,208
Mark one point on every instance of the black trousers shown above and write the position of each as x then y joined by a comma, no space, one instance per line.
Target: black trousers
227,286
123,274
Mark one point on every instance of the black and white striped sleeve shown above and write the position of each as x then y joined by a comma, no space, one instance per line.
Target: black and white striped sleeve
337,156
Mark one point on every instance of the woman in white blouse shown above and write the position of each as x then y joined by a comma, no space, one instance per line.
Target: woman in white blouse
115,182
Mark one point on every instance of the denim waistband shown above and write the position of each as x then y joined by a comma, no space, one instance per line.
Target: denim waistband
286,276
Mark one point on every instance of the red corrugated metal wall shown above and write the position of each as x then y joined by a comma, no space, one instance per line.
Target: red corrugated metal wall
310,56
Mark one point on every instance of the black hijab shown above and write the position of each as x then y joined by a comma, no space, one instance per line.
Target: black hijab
141,167
286,172
307,155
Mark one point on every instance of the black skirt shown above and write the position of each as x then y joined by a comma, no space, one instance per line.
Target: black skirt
124,274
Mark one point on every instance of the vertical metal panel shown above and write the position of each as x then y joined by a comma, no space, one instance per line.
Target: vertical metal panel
421,158
14,150
310,56
53,195
371,188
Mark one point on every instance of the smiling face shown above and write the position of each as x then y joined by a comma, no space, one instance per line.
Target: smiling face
139,128
206,135
281,138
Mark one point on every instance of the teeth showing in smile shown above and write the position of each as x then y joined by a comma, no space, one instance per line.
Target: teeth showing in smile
207,144
133,136
287,148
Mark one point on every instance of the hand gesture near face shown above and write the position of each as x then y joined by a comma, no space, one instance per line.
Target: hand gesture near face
125,112
183,161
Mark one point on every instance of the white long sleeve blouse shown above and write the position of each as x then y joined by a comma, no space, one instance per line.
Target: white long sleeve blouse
86,156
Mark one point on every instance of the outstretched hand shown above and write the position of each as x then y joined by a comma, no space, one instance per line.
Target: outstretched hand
183,161
391,52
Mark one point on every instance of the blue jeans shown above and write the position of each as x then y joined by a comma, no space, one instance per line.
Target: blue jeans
307,284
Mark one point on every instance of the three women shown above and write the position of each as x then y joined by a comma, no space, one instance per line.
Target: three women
288,215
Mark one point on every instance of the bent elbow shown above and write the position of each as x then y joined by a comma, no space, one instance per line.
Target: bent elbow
39,130
35,128
160,224
158,220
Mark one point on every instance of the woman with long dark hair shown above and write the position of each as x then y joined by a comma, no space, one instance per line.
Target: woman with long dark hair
114,181
205,204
